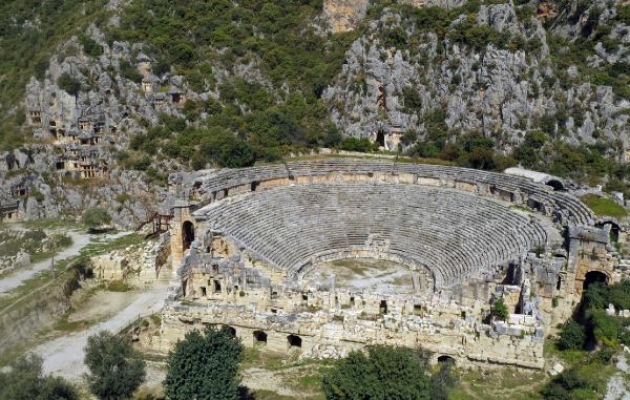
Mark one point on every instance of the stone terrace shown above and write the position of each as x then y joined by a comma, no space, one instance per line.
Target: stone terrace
564,208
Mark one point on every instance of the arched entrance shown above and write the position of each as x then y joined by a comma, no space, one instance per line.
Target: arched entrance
294,341
260,338
593,277
188,234
380,138
446,359
230,330
556,185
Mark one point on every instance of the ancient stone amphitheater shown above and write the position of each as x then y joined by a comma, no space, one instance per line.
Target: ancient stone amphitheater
249,247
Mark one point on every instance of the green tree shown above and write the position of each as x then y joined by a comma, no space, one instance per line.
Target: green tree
499,310
116,370
69,84
385,373
204,366
572,336
24,380
95,217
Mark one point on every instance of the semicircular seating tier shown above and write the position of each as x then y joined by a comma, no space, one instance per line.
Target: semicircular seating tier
454,234
564,208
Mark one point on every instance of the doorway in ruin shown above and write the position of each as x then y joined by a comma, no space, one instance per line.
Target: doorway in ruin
294,341
230,330
260,338
594,277
445,360
382,308
380,138
556,185
188,234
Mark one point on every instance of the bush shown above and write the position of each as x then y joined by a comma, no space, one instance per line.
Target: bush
384,373
90,46
24,380
95,217
69,84
362,145
116,370
130,72
572,336
204,366
499,310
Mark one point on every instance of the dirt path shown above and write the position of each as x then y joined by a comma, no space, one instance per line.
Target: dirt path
64,356
79,241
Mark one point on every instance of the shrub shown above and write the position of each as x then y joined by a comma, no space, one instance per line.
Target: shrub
69,84
572,336
204,366
95,217
24,380
130,72
384,373
499,310
116,370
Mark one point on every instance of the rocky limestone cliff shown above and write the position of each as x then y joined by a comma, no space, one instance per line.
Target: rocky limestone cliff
502,69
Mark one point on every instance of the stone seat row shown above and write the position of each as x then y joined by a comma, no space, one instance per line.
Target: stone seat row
225,179
452,233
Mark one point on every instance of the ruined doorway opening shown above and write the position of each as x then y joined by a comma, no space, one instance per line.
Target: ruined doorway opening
188,234
230,330
594,277
254,186
445,359
260,338
380,138
382,308
294,341
556,185
217,286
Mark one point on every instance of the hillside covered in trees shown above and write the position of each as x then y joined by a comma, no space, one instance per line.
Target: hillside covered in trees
194,84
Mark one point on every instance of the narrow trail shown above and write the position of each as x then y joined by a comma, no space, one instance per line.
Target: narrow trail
79,241
63,356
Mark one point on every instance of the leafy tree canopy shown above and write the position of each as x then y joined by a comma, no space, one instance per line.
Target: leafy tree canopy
204,366
24,380
95,217
384,373
116,371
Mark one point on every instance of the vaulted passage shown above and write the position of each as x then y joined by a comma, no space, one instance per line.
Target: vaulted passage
593,277
294,341
188,234
260,338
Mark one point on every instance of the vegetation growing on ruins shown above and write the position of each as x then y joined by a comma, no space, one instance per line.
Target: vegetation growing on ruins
604,206
24,380
590,341
116,369
204,365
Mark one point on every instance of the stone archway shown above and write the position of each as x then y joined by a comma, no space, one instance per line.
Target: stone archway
556,185
260,338
443,359
188,234
294,341
594,277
